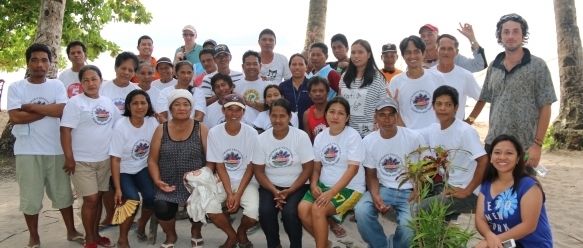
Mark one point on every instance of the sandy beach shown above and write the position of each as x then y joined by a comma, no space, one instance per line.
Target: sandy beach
562,187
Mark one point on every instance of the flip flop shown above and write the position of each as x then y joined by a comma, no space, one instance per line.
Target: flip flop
105,242
253,230
167,245
196,241
339,232
239,245
34,246
79,239
141,237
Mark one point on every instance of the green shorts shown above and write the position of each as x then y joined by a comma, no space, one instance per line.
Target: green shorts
343,202
37,173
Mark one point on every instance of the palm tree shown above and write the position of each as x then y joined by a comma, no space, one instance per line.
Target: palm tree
568,127
316,21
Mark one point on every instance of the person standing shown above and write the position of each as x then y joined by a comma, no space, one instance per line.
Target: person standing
339,45
295,89
318,57
190,50
35,105
164,68
76,52
145,49
222,56
252,86
274,66
207,61
314,119
389,57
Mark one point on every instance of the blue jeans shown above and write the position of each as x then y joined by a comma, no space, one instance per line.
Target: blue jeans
131,184
367,218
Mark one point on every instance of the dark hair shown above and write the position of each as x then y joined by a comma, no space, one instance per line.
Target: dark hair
144,37
76,43
251,53
341,100
265,93
182,63
221,76
86,68
519,171
145,63
321,46
315,80
446,90
38,47
451,37
418,42
515,18
297,55
370,71
267,31
341,38
282,102
206,51
125,56
127,112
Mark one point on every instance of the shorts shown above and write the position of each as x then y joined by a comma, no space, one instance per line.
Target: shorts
249,201
37,173
91,177
343,202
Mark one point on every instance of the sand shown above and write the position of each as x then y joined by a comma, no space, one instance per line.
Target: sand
561,186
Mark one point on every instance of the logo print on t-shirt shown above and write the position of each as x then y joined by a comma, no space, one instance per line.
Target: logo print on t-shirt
141,149
251,95
390,164
100,115
271,75
281,157
232,159
119,103
39,100
318,129
506,203
74,89
421,101
331,154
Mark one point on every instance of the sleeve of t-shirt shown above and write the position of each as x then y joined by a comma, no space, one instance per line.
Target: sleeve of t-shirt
286,71
486,94
117,140
334,80
472,88
61,93
305,147
294,120
213,151
316,148
417,142
544,90
475,64
14,97
199,100
258,153
471,143
206,86
71,115
525,184
368,151
356,151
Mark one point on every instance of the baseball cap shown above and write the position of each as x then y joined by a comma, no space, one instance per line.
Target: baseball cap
430,27
189,27
387,102
209,41
162,61
234,99
389,47
222,48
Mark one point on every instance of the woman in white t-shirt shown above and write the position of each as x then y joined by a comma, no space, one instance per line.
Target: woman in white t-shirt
283,161
129,150
337,182
86,130
271,93
184,73
145,75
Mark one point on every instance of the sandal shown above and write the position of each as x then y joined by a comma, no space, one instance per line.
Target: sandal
141,237
253,230
167,246
338,232
197,243
239,245
80,239
105,242
91,245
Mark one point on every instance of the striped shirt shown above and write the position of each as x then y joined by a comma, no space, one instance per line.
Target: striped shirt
363,101
206,81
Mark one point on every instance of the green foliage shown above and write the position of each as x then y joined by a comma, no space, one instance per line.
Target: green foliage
549,142
83,21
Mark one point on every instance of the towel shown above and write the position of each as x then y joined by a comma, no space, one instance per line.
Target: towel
204,186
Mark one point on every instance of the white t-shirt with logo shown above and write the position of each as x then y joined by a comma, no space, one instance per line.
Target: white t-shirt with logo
387,156
132,144
252,91
262,120
215,116
160,86
335,153
465,139
154,94
71,81
283,158
117,94
92,121
206,81
277,71
465,84
415,97
233,151
40,137
198,96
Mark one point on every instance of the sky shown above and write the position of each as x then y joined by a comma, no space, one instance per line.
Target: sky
238,23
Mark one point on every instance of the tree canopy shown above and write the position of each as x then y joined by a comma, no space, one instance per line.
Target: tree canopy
83,21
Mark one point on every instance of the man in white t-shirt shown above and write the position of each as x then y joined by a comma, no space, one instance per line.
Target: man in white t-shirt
459,78
35,105
76,51
228,151
222,86
252,87
386,150
413,89
222,59
164,67
467,156
274,67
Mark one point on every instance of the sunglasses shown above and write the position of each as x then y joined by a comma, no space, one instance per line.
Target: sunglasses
511,17
187,35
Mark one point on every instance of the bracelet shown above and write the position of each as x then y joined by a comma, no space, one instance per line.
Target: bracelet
539,144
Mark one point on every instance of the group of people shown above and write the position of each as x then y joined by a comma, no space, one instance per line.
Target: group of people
302,137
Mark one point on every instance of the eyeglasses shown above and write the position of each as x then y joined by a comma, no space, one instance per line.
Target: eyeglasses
511,17
187,35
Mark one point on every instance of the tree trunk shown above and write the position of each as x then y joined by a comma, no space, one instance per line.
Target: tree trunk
316,18
568,127
48,32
